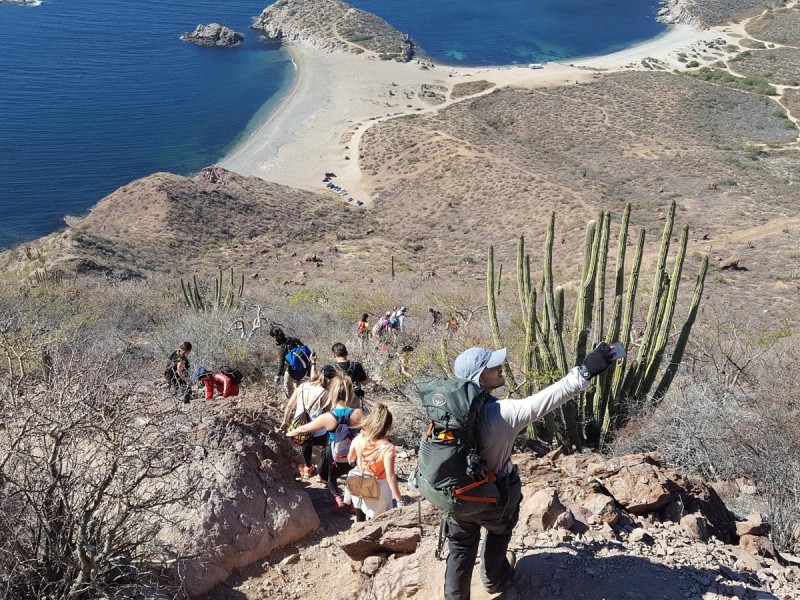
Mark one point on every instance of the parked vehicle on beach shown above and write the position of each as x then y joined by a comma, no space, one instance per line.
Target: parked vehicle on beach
536,66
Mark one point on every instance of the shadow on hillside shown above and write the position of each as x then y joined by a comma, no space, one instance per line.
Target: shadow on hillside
583,575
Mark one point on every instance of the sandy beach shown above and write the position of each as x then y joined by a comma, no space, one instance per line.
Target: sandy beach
335,98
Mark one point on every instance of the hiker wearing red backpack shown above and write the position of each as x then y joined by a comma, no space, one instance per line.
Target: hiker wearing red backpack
217,381
498,424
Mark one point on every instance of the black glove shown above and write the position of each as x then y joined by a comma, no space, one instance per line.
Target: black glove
597,361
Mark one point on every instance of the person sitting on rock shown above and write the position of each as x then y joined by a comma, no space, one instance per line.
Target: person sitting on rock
216,381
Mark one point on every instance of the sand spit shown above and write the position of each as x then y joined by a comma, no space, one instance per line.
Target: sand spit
336,97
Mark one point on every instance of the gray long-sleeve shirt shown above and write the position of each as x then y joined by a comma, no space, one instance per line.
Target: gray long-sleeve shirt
503,420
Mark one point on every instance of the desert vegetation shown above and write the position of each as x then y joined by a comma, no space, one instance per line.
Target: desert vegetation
779,66
716,12
778,26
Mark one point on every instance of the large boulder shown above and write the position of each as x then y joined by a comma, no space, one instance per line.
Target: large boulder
541,511
215,35
395,531
245,504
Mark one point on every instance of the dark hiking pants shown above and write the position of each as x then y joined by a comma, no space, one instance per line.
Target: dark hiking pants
308,447
330,470
464,534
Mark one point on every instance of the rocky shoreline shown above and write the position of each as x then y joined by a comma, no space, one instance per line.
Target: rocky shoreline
215,35
673,12
22,2
334,26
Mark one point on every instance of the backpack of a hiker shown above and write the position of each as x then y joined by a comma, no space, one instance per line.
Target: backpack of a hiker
450,473
171,372
298,358
233,373
342,437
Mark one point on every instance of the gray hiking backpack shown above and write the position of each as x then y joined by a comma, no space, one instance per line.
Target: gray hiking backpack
450,473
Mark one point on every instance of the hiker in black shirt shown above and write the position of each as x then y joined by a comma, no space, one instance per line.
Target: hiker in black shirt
353,369
291,378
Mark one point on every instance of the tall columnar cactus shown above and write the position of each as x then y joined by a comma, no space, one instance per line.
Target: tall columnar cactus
545,357
222,300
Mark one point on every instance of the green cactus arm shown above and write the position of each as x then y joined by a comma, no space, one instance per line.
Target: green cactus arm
683,338
657,352
651,324
521,291
598,314
580,328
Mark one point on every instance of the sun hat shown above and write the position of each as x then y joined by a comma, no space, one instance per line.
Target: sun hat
471,363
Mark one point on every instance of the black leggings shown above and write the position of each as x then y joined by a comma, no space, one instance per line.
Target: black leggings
330,470
308,447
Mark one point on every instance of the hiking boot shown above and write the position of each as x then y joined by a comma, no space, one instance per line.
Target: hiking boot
512,562
338,501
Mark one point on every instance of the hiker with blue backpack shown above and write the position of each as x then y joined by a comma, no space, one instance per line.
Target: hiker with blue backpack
294,360
465,463
342,424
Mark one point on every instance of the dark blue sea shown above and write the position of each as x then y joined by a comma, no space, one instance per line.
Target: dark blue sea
97,93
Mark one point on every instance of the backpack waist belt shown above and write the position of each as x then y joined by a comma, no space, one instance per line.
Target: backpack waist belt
460,493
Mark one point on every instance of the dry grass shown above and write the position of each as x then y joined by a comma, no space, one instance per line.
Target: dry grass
717,12
778,27
780,66
460,90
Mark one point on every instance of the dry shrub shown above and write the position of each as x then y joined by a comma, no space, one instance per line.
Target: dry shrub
724,432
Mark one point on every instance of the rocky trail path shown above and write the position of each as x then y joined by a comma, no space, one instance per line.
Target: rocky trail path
601,550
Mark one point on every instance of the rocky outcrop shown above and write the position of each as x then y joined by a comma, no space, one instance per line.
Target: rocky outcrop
22,2
215,35
246,504
334,26
582,504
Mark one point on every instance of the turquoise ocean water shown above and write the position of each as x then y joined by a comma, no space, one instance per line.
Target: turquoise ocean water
96,93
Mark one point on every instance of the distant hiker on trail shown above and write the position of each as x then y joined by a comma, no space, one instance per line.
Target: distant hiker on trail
341,423
436,317
397,320
452,325
374,453
498,424
382,325
309,400
178,372
217,381
362,329
294,360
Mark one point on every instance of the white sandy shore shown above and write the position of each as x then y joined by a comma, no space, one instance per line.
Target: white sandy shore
336,97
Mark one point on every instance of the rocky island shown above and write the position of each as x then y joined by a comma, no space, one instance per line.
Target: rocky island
334,26
215,35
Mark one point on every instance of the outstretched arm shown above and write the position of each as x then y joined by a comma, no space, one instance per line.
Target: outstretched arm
325,421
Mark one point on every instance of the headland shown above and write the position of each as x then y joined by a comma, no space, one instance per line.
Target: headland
353,70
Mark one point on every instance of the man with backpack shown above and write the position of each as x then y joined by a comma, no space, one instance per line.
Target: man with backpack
294,360
469,423
353,369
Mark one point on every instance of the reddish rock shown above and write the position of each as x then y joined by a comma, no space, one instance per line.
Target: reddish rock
602,507
753,525
695,526
757,545
540,511
400,540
